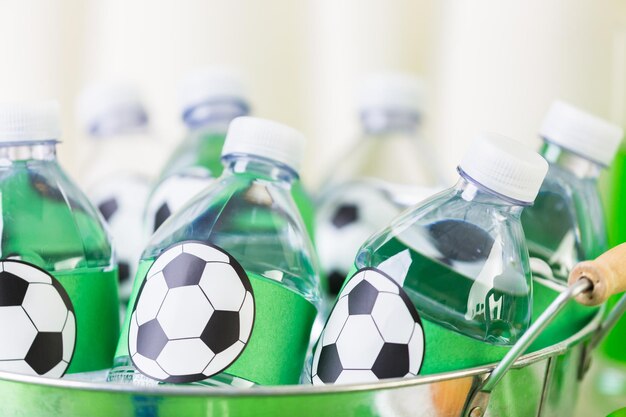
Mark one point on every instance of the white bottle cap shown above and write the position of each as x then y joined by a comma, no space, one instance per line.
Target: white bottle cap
582,133
505,166
105,99
265,138
211,84
29,121
392,91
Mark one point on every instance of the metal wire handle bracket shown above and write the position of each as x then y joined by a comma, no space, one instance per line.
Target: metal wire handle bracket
477,403
611,320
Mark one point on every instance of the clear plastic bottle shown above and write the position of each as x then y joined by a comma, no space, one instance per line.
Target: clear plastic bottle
115,122
56,260
447,285
258,265
566,224
389,169
210,100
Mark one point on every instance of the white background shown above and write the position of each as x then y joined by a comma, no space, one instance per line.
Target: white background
491,64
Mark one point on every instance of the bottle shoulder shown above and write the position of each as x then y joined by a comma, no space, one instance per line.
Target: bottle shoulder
193,165
572,187
198,150
256,222
566,221
448,217
455,258
398,159
487,213
48,220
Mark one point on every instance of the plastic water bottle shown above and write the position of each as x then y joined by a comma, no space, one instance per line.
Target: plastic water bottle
114,119
210,99
228,288
608,374
447,285
58,280
389,169
566,224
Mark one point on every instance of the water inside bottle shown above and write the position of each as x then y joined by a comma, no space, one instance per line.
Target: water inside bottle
434,264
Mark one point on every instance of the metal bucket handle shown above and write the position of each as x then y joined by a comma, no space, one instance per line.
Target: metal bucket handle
590,283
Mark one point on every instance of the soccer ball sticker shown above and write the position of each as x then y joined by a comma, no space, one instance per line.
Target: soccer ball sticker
374,332
346,217
193,316
37,321
173,193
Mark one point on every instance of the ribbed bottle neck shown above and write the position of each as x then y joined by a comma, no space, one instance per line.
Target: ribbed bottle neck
570,161
382,122
28,151
472,191
214,114
262,168
118,124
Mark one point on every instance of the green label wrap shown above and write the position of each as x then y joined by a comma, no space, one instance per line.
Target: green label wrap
275,351
94,297
446,350
568,322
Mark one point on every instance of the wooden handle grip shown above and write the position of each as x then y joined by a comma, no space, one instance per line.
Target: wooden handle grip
607,273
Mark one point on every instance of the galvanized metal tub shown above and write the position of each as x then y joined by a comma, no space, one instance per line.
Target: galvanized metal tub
543,383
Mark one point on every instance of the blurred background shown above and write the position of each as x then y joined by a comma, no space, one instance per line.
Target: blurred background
489,64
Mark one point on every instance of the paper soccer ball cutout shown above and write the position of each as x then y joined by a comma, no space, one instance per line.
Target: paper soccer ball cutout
37,322
172,194
374,332
345,219
193,316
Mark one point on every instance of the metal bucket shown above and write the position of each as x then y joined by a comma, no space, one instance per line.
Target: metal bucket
543,383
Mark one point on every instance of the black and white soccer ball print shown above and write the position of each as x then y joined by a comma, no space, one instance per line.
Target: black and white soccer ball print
173,193
374,332
37,321
345,218
193,316
121,200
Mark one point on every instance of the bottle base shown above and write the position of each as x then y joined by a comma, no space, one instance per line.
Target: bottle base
127,374
93,376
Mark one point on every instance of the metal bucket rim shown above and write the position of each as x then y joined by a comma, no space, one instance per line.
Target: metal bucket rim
294,390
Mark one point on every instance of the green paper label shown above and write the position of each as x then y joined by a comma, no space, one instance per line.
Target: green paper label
276,351
447,350
195,313
444,349
94,295
53,323
569,321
